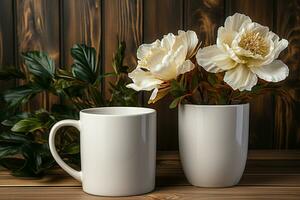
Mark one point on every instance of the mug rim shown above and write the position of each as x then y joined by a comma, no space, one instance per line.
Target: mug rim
133,111
216,106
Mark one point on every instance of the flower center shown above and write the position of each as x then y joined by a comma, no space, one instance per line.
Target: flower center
255,43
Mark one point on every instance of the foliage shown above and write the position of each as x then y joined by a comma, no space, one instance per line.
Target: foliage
24,137
120,94
201,87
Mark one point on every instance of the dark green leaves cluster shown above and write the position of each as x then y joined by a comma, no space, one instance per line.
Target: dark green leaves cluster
120,94
20,95
24,135
23,143
11,72
178,91
39,64
202,87
85,65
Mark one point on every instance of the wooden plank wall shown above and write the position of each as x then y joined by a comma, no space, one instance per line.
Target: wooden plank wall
160,18
7,44
260,137
55,25
37,28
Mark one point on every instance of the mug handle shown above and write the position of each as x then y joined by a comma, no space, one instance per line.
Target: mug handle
68,122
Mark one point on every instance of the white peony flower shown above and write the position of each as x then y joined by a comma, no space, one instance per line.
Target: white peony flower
245,50
163,61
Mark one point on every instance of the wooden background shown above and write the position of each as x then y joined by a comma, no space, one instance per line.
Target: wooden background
55,25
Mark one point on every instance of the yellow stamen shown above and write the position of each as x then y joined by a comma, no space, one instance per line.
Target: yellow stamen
255,43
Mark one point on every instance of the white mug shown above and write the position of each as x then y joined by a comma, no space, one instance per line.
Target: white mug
118,150
213,143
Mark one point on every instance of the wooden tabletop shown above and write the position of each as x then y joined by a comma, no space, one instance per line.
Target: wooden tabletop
268,175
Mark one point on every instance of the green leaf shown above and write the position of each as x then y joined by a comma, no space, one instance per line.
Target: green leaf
39,64
72,149
26,159
64,112
11,72
223,99
96,96
110,74
20,94
8,151
37,159
10,121
12,163
85,67
28,154
177,89
212,79
9,137
121,95
118,59
64,74
175,103
27,125
195,81
257,88
43,115
63,84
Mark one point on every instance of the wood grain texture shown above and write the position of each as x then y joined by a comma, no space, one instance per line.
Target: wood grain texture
81,24
271,167
262,108
287,129
160,18
122,21
175,192
55,25
7,57
38,29
204,17
268,175
6,39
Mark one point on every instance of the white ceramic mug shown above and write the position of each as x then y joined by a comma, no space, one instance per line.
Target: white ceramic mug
118,150
213,143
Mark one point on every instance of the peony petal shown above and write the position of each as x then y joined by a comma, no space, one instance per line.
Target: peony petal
145,49
160,93
214,60
236,21
153,95
260,31
191,41
225,37
179,56
168,41
231,53
167,69
279,47
143,80
185,67
276,47
240,78
246,53
274,72
153,59
257,28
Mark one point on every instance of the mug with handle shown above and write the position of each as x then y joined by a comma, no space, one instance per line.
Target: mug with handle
117,149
